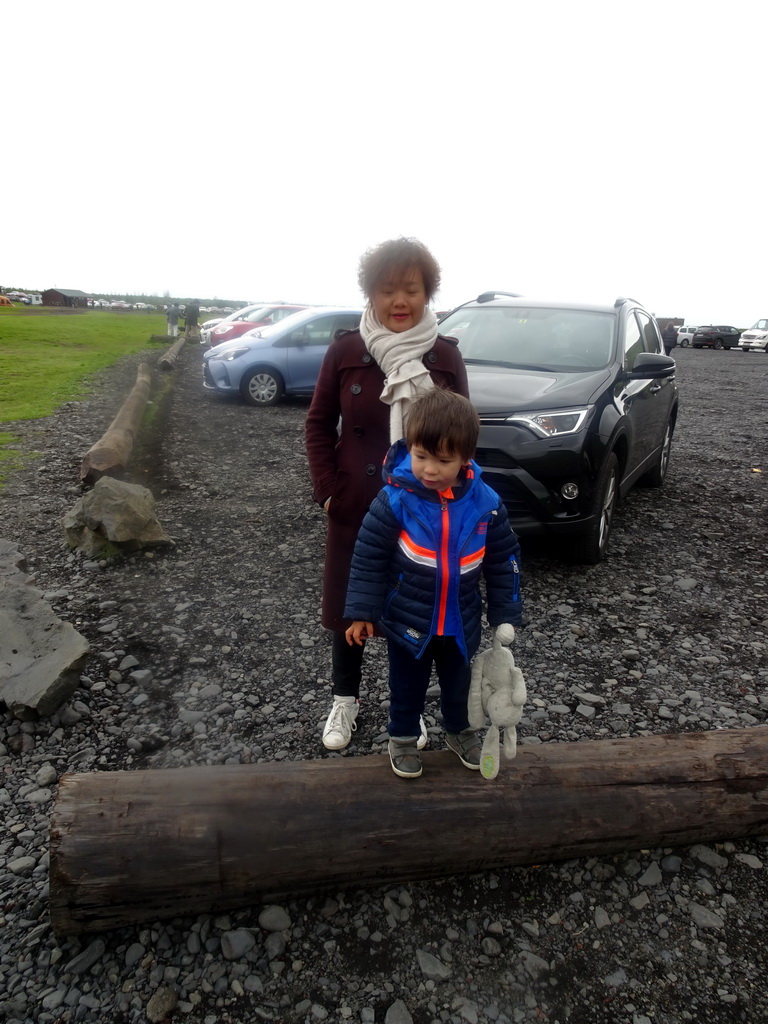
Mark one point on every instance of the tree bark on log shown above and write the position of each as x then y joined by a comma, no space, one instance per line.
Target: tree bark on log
113,451
168,359
139,846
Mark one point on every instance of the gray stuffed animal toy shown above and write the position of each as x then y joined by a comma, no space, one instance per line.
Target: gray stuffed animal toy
497,692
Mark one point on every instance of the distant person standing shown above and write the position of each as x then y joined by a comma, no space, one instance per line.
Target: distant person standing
172,316
191,315
669,337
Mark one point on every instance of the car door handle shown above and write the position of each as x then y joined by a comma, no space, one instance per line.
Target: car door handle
654,388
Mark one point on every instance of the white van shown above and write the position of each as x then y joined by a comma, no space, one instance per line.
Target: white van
756,338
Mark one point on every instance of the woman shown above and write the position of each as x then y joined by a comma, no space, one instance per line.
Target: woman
669,337
366,382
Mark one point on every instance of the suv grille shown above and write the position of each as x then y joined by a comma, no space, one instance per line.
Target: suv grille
494,459
513,498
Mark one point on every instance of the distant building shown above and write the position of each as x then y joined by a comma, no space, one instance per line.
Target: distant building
65,297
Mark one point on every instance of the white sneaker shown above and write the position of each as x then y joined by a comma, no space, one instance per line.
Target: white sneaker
421,742
340,723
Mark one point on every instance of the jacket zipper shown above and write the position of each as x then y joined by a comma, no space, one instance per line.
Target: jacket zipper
444,568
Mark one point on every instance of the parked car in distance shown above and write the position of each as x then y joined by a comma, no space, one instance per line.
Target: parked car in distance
685,335
281,359
715,337
755,338
577,403
244,320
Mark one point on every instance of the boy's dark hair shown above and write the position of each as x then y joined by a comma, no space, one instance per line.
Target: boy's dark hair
392,260
443,423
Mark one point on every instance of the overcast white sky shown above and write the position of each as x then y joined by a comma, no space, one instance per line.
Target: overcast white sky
255,151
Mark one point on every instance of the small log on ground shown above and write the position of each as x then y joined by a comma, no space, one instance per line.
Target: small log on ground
168,359
139,846
110,455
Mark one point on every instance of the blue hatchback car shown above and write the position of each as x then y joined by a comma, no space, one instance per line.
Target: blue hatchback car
281,359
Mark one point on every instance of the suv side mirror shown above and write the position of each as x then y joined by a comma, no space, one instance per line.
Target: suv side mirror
649,365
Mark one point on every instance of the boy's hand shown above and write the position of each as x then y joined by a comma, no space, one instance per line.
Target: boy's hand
358,633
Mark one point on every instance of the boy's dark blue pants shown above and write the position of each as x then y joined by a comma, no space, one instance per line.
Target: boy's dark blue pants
409,680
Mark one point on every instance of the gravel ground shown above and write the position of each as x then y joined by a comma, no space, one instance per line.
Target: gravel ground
226,662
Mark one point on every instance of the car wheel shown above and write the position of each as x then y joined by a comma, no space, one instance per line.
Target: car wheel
718,344
262,387
655,477
592,546
684,343
766,348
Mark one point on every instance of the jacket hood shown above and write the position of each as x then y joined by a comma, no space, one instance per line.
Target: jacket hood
398,472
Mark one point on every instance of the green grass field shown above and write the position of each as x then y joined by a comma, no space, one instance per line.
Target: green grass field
48,358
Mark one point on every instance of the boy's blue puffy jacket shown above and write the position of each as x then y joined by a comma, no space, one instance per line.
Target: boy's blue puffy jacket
418,559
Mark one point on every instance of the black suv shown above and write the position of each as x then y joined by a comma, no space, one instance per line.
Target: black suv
716,337
576,402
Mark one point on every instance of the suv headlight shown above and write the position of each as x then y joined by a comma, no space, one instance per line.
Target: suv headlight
553,424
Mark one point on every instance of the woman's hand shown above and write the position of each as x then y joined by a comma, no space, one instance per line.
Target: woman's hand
326,504
358,633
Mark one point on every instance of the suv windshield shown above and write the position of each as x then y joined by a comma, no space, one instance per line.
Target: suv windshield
761,325
533,338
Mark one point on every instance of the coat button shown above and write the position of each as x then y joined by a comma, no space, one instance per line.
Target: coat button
358,431
370,469
356,389
432,357
367,358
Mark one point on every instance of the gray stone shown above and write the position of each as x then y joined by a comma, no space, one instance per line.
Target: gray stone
42,656
749,860
706,855
490,946
431,967
705,918
274,945
133,954
114,513
274,919
235,944
22,865
398,1013
86,958
651,876
162,1004
602,918
535,966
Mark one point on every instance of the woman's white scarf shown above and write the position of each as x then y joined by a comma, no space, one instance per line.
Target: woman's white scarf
399,356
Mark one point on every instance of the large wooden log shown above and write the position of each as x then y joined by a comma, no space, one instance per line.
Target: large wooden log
112,452
167,360
136,846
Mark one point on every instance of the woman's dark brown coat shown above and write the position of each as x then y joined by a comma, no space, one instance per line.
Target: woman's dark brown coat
347,435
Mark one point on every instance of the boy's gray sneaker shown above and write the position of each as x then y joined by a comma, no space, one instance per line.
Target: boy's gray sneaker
467,747
404,757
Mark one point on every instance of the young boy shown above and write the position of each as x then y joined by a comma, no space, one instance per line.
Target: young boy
428,536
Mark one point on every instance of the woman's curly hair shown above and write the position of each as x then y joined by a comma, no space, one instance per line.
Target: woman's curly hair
392,260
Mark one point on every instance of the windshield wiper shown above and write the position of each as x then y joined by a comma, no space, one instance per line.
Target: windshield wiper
508,365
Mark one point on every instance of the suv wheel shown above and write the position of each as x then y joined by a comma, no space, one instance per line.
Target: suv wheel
718,343
592,546
655,477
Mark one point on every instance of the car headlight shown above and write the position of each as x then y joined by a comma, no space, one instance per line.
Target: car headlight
227,357
552,424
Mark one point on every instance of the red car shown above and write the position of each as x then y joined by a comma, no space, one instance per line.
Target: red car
246,319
